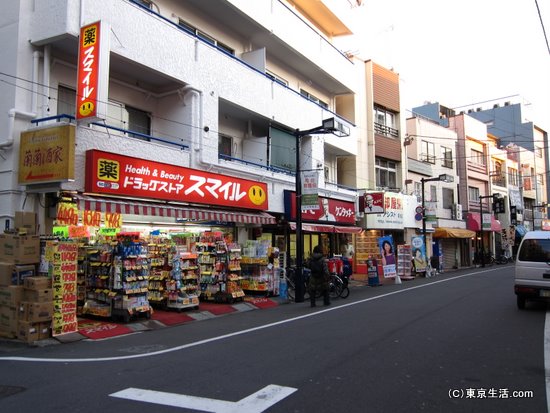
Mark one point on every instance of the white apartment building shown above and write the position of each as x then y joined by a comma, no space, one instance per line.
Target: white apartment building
218,86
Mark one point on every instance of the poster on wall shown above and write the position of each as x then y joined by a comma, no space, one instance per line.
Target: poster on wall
419,254
387,251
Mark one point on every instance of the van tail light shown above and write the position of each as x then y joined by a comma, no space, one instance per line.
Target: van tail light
524,290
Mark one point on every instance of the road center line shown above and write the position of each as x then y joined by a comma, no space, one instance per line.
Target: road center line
236,333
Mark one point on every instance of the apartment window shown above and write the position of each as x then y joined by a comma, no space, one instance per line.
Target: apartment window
225,144
473,194
144,3
204,36
385,122
276,78
448,198
433,193
66,101
538,151
447,157
138,121
418,191
386,173
313,98
427,152
513,177
282,147
477,157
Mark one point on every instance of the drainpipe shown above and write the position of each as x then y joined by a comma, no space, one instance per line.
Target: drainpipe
46,81
12,113
35,64
197,136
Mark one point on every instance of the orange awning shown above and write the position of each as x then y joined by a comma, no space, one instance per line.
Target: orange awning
453,233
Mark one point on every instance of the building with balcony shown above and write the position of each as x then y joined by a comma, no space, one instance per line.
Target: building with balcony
431,152
215,89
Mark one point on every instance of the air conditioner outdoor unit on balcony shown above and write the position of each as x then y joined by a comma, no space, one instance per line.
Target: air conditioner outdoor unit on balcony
457,212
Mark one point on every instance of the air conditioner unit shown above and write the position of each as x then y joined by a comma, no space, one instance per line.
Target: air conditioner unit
457,211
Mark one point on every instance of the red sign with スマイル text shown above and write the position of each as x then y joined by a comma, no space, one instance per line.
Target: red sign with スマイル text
113,174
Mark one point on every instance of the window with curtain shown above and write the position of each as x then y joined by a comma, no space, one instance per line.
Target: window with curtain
448,198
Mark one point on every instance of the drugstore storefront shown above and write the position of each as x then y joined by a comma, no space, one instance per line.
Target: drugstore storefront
198,233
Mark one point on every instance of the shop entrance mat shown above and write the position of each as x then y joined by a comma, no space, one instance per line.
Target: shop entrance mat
261,302
101,329
216,309
171,318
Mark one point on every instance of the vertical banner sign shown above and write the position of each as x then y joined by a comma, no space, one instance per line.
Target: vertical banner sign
64,271
310,193
93,69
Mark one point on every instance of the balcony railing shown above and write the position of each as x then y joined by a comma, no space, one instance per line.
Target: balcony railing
257,165
498,180
128,132
386,130
427,157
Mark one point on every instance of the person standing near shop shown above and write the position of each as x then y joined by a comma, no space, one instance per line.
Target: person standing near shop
319,279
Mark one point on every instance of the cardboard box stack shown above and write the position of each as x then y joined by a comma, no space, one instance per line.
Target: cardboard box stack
26,301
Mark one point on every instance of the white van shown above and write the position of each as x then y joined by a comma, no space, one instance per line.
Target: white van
533,268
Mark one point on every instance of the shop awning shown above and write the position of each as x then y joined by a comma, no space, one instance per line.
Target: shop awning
453,233
473,223
328,228
520,231
171,211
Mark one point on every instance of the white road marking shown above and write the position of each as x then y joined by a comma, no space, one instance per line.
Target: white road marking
255,403
236,333
547,358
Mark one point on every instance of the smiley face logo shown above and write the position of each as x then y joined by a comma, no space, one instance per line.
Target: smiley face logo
257,195
86,108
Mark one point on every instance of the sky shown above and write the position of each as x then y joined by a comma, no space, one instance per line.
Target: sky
463,54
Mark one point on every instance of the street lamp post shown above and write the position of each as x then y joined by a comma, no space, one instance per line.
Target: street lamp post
481,198
441,178
331,126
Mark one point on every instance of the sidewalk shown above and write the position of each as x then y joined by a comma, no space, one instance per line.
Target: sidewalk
100,329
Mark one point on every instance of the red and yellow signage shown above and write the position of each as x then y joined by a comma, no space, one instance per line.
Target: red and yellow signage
92,60
333,210
64,268
47,155
109,173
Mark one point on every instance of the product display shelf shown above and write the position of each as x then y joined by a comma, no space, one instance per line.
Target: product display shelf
234,277
182,286
82,263
257,276
404,258
206,260
130,281
159,273
99,292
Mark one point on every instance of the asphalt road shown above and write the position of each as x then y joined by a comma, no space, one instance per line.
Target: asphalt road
453,343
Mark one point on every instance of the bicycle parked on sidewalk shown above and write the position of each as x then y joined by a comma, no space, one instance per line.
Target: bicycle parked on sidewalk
290,276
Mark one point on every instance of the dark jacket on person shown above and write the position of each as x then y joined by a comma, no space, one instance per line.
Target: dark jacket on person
318,281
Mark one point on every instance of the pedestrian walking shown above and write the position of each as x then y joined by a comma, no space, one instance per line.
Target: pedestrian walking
320,276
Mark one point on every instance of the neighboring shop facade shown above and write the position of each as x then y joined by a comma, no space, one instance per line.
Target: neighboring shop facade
332,225
397,220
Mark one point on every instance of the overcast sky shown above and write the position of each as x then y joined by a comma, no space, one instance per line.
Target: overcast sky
461,53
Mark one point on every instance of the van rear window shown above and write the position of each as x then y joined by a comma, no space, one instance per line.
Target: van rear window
537,250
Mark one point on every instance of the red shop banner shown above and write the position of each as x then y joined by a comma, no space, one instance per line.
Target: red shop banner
331,210
113,174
